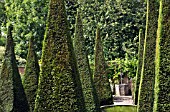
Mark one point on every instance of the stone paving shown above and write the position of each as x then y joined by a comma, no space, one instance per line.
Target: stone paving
123,100
120,100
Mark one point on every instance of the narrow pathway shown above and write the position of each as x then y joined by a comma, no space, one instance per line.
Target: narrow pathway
120,100
123,100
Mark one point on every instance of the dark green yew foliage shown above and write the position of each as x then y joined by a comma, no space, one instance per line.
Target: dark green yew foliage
162,80
31,75
59,87
100,73
12,96
146,88
91,101
71,9
140,60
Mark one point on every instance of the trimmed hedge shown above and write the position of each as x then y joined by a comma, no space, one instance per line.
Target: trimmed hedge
101,74
140,60
146,88
59,88
12,96
162,89
91,101
31,75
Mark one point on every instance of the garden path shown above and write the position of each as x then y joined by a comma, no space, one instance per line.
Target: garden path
123,100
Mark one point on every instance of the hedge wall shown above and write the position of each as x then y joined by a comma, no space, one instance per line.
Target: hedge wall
100,73
31,75
139,67
162,89
12,94
91,101
59,88
146,89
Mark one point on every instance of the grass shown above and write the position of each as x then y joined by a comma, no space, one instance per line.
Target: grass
120,109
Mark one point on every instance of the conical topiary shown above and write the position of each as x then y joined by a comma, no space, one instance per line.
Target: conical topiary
100,73
146,88
91,100
31,75
59,87
12,94
139,68
162,80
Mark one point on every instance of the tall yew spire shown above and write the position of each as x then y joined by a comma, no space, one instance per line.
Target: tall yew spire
59,88
90,96
12,94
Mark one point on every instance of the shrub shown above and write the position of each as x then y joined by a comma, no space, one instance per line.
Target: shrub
162,80
12,94
31,75
59,87
146,88
139,66
91,101
101,74
126,66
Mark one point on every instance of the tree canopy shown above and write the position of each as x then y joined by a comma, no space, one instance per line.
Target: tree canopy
120,22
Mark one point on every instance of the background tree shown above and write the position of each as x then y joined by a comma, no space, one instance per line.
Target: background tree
91,100
31,75
59,85
2,12
119,21
100,73
139,67
2,21
162,80
11,89
146,88
29,18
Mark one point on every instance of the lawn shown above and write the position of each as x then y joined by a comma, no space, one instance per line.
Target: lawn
120,109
